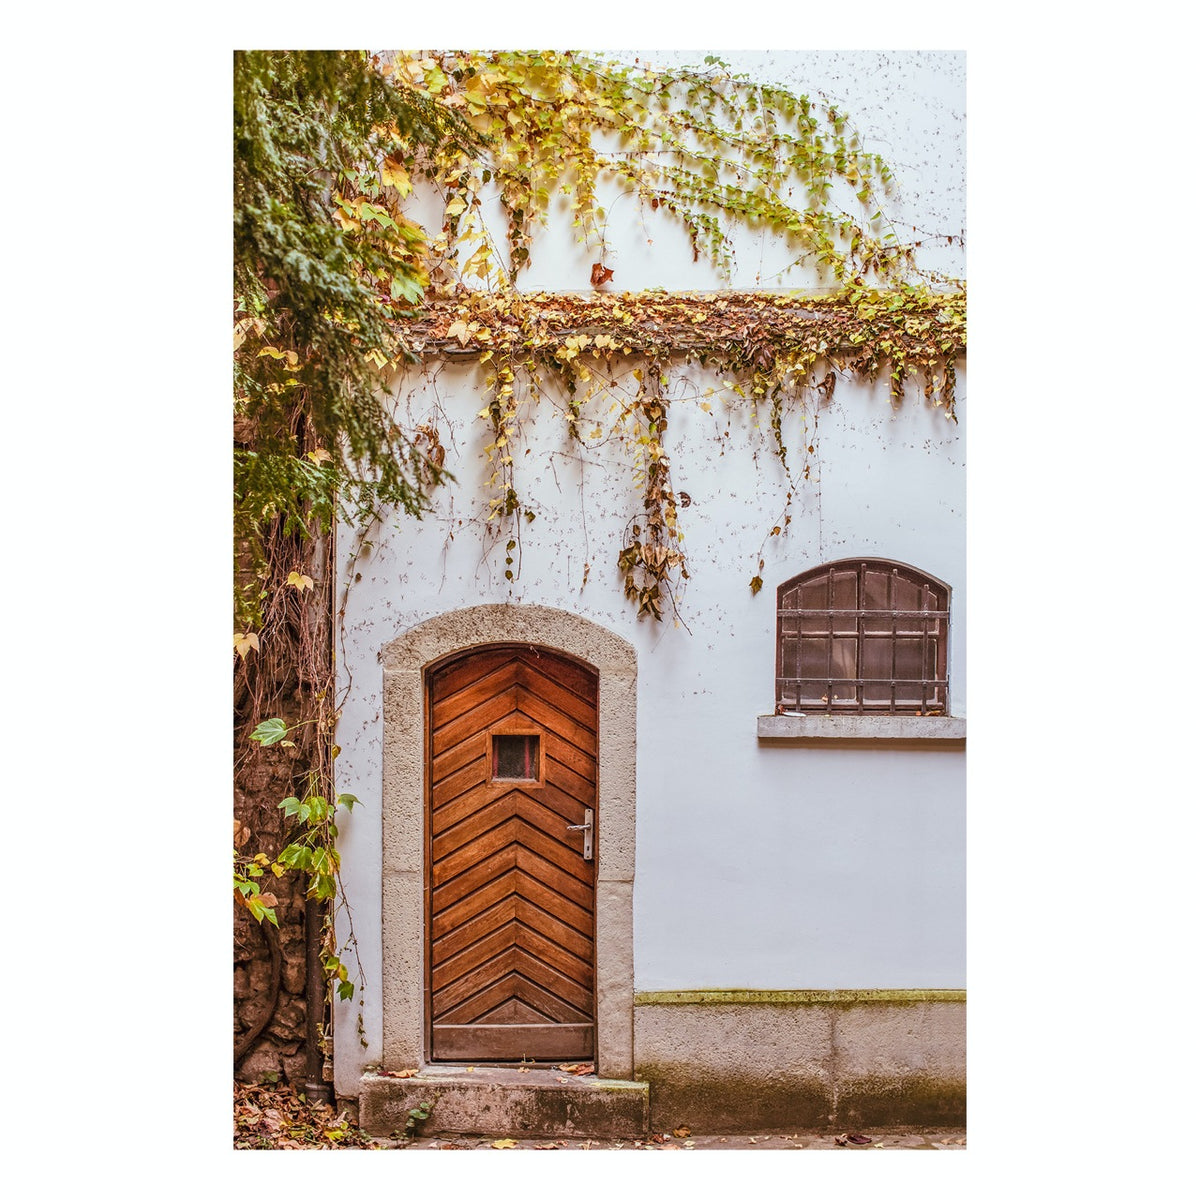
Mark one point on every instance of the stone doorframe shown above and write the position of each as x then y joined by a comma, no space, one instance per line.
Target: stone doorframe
405,663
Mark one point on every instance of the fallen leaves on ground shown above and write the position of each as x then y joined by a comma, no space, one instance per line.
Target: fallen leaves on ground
274,1117
578,1068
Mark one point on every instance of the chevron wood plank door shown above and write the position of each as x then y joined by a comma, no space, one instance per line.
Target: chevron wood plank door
511,886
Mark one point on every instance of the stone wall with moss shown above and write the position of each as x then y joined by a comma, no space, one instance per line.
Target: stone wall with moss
725,1061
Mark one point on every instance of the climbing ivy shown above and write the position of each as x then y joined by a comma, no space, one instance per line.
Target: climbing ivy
342,279
775,350
715,152
525,129
320,274
711,149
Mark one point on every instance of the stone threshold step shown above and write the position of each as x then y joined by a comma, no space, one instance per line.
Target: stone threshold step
505,1101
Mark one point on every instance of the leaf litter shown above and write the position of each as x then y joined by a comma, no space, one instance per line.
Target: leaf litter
272,1116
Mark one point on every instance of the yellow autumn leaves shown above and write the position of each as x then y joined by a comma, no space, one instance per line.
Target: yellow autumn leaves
243,643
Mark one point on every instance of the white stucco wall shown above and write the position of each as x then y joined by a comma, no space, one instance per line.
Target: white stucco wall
761,865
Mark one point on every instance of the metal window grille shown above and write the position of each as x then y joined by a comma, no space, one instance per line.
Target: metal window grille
862,636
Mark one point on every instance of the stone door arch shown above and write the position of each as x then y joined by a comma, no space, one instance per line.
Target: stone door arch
407,661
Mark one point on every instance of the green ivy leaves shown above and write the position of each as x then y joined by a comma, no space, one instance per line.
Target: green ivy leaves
269,732
311,850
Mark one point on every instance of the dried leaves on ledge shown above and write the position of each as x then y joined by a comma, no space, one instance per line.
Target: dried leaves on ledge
860,328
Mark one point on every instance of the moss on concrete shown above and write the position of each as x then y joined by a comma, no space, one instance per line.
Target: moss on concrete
844,996
917,1099
733,1101
725,1061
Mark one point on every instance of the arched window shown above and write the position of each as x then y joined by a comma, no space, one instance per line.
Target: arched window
862,636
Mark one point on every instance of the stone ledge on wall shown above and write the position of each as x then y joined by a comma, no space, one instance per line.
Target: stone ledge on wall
862,726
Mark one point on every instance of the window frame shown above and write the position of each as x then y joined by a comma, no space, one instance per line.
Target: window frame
532,763
856,632
517,728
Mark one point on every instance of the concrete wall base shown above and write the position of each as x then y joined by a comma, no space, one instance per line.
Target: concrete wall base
724,1062
719,1062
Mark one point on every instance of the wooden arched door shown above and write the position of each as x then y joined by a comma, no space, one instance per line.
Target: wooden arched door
511,872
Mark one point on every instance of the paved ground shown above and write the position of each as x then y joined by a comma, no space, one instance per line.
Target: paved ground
925,1139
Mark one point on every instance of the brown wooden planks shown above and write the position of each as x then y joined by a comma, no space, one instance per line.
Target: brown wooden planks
513,1042
512,900
536,922
464,818
494,829
513,960
448,913
451,677
510,983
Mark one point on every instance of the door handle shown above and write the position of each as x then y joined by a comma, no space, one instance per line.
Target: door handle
587,833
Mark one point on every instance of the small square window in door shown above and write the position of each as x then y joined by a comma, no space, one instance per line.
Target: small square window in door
515,756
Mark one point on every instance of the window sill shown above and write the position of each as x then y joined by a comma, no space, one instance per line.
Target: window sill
792,727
